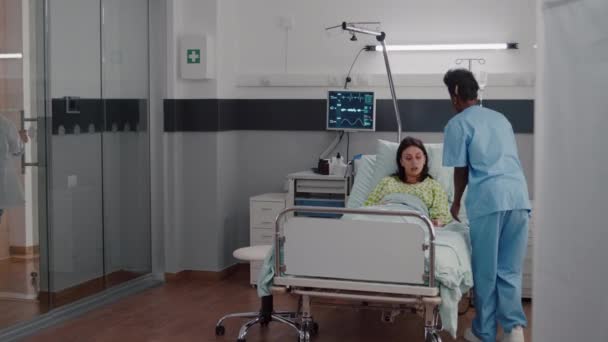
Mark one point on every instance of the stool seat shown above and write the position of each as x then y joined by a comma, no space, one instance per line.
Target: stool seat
252,253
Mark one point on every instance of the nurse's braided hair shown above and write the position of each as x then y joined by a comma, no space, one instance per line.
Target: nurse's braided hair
461,83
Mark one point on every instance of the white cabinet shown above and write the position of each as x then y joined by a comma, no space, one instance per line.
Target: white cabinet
263,209
526,287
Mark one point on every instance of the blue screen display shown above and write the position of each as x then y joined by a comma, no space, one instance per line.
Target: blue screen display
351,110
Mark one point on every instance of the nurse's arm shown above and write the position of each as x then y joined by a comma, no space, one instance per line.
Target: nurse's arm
461,178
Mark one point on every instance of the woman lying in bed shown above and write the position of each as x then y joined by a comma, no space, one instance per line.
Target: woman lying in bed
413,178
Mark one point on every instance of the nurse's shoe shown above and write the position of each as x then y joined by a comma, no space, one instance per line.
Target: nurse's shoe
516,335
469,336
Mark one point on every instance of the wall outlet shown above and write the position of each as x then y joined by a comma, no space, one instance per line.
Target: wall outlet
72,181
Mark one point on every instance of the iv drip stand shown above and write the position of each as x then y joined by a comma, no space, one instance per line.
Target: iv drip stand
381,37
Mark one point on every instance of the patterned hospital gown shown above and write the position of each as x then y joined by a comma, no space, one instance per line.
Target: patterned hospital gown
429,191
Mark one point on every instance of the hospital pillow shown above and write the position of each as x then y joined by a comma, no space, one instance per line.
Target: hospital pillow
364,168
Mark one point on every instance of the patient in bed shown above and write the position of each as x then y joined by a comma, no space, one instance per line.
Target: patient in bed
413,178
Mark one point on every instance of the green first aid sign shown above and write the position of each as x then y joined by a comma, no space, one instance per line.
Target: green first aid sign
193,56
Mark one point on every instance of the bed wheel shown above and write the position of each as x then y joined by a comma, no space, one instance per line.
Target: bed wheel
304,337
220,330
240,340
315,329
433,337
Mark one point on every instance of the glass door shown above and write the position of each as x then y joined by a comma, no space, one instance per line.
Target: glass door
74,151
99,207
23,242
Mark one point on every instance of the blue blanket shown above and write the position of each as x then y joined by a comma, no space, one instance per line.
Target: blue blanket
452,263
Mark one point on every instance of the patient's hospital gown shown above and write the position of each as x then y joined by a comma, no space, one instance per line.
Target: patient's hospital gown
429,191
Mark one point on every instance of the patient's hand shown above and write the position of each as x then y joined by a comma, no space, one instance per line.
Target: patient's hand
437,223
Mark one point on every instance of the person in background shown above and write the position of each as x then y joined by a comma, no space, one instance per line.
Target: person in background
11,146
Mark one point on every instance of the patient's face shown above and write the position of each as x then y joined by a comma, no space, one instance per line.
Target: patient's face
413,160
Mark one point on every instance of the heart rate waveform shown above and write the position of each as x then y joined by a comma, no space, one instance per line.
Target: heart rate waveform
351,110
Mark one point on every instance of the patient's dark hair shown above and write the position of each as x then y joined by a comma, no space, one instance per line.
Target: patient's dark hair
405,143
461,83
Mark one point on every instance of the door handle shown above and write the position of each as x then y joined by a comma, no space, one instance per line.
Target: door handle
25,164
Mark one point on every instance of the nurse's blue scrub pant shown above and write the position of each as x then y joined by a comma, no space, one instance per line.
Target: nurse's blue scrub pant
498,242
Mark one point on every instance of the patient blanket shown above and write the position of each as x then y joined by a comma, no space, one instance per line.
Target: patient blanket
452,256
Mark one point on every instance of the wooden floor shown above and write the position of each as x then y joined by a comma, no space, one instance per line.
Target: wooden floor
187,310
16,284
15,276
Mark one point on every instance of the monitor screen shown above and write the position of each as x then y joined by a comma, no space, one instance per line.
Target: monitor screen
349,110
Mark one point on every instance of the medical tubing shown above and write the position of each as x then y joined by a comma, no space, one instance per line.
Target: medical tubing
348,79
332,146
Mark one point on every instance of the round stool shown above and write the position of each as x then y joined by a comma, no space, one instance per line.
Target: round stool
252,253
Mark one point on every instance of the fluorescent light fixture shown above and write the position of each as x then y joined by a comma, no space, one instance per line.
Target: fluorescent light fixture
444,47
11,55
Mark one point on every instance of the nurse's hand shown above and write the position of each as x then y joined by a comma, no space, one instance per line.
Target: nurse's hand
455,210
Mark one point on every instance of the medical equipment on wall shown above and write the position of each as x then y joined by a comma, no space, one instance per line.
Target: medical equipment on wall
354,28
352,111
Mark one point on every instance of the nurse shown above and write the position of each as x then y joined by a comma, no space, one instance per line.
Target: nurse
480,144
11,146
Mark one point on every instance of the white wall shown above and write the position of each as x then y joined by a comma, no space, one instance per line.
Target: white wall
192,218
186,17
266,48
570,274
252,47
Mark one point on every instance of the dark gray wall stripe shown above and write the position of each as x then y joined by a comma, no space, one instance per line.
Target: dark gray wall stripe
211,115
119,112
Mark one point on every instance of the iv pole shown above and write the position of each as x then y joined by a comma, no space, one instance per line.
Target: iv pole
381,37
470,60
481,61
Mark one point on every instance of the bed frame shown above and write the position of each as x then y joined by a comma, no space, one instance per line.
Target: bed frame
357,261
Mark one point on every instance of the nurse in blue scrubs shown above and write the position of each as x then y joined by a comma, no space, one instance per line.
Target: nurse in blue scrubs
480,144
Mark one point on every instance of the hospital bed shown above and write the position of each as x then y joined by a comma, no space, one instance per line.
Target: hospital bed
387,258
359,261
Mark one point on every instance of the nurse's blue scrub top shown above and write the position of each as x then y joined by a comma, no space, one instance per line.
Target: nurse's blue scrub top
483,140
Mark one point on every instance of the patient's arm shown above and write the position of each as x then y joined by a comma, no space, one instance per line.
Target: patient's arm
437,223
439,210
376,196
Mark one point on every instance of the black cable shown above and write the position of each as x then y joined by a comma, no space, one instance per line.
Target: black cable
348,79
347,144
